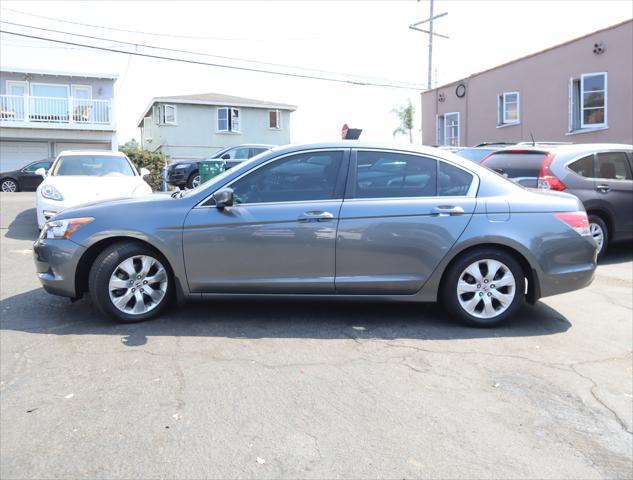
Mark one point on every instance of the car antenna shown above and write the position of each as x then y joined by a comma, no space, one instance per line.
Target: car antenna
533,142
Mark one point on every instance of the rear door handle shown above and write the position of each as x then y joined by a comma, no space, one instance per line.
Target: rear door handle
445,210
316,216
603,188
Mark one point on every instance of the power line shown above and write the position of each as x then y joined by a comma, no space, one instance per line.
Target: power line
176,50
158,34
219,65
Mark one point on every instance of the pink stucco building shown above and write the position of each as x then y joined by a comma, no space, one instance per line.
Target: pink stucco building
580,91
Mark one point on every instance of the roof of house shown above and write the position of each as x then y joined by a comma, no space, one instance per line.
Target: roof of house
531,55
216,99
39,71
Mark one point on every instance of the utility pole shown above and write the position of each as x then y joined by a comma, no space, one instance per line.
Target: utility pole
431,33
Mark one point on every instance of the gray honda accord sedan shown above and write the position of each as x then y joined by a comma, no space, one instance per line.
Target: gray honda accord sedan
348,220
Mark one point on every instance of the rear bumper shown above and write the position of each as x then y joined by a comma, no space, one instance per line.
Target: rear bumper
56,264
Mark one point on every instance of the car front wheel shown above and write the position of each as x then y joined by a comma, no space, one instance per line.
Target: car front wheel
8,185
483,288
130,282
194,180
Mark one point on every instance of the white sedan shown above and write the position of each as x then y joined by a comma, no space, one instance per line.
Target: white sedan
78,177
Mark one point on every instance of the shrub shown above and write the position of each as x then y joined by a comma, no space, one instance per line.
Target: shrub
152,161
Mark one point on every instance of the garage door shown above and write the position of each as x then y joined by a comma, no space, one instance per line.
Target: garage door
14,155
60,147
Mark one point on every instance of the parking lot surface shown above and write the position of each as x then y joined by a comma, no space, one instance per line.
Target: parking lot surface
311,390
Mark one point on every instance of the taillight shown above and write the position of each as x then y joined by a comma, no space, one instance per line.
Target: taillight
546,178
575,220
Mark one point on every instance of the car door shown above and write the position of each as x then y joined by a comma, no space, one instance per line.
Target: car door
614,186
280,235
28,179
401,215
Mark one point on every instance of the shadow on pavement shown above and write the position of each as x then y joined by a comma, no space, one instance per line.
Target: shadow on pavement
618,253
24,226
39,313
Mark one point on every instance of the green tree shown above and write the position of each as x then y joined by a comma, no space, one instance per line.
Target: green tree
405,117
151,160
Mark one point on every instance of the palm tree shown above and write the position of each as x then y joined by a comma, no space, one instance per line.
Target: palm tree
405,117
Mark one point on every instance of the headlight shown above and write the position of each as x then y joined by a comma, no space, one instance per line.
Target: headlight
50,192
180,166
60,229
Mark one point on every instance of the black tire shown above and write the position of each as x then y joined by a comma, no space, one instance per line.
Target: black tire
5,182
193,175
449,295
102,270
598,222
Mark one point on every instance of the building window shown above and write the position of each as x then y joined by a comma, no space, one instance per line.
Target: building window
274,119
147,129
508,104
168,114
588,101
451,129
229,120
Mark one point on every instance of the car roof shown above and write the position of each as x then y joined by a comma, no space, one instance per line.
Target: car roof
566,149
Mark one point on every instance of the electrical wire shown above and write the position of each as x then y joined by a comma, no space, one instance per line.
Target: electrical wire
219,65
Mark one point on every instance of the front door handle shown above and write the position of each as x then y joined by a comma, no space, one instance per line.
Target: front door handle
602,188
316,216
445,210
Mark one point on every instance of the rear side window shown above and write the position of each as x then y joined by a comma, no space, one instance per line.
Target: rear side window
613,166
301,177
453,181
392,175
583,166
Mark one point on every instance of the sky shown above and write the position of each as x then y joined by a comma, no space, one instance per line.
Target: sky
362,38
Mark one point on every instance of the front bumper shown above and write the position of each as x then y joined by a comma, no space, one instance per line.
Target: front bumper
56,265
177,177
46,209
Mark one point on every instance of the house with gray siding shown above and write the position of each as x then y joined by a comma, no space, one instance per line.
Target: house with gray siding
187,127
45,112
580,91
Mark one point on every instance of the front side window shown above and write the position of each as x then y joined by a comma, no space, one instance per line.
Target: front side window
508,108
588,101
393,175
612,166
93,166
583,166
297,178
451,129
229,119
34,166
168,114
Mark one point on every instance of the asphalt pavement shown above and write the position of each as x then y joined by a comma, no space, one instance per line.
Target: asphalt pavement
311,390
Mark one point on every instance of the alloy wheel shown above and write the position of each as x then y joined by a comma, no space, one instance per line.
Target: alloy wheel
196,181
598,234
9,186
138,285
486,288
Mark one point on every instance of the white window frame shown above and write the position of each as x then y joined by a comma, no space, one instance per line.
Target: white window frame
147,130
34,84
21,83
583,125
163,114
278,117
74,87
446,129
502,102
232,114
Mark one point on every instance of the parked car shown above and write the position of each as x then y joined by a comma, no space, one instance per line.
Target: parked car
417,225
24,179
477,154
78,177
598,174
184,174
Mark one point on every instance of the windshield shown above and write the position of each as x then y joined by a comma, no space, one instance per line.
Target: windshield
93,166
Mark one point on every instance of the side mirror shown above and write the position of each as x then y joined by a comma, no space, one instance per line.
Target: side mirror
223,198
41,172
144,172
226,156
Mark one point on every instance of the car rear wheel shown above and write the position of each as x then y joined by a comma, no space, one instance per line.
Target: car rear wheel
130,282
9,185
194,180
599,232
484,287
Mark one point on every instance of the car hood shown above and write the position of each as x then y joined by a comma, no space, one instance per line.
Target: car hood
84,189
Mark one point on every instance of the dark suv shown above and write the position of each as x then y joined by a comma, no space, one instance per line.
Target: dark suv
599,174
184,174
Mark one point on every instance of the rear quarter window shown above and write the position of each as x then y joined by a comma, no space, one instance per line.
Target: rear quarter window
453,181
583,166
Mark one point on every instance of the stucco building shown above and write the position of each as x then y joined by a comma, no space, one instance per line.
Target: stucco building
580,91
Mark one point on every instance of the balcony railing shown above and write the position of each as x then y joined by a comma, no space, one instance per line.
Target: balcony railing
15,108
